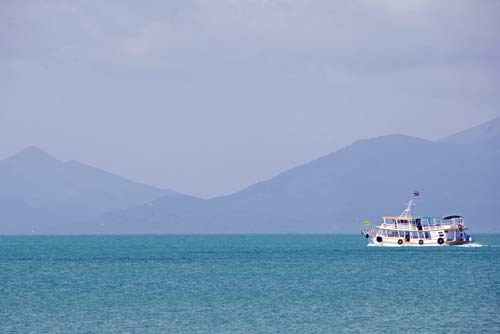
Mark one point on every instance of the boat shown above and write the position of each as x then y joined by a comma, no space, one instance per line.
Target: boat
406,230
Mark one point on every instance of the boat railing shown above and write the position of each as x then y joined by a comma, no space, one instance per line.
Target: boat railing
411,227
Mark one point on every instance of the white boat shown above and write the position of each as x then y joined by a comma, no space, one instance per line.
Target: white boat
406,230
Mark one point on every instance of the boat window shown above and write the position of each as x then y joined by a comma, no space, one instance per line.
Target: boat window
427,235
420,235
414,235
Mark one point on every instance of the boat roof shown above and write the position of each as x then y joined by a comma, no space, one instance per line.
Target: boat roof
420,217
398,218
451,217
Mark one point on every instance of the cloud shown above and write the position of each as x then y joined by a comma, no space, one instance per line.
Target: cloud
367,34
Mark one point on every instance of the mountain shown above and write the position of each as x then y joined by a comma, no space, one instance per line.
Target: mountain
41,193
479,134
335,193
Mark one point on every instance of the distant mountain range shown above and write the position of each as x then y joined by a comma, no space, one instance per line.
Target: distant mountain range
41,194
459,174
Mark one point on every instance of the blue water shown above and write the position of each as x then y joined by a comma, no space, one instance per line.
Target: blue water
245,284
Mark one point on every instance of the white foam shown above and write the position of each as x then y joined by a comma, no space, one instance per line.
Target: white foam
385,245
471,245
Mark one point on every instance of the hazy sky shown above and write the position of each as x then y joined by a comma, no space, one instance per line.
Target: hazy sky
209,96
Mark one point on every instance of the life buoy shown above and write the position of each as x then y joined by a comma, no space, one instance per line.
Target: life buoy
400,241
379,239
440,241
420,242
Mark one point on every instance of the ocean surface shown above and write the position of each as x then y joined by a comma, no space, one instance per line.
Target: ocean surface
245,284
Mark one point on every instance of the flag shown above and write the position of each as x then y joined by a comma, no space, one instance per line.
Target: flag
366,223
416,193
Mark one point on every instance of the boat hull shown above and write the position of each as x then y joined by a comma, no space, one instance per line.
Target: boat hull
398,242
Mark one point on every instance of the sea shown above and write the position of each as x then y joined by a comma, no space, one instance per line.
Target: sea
245,284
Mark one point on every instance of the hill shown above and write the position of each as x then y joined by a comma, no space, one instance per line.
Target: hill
337,192
334,194
476,135
41,193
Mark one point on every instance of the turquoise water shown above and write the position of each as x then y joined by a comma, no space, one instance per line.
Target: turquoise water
245,284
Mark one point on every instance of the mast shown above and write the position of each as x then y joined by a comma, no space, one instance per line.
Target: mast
408,213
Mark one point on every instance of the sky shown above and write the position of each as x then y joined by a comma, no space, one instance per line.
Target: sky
208,97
